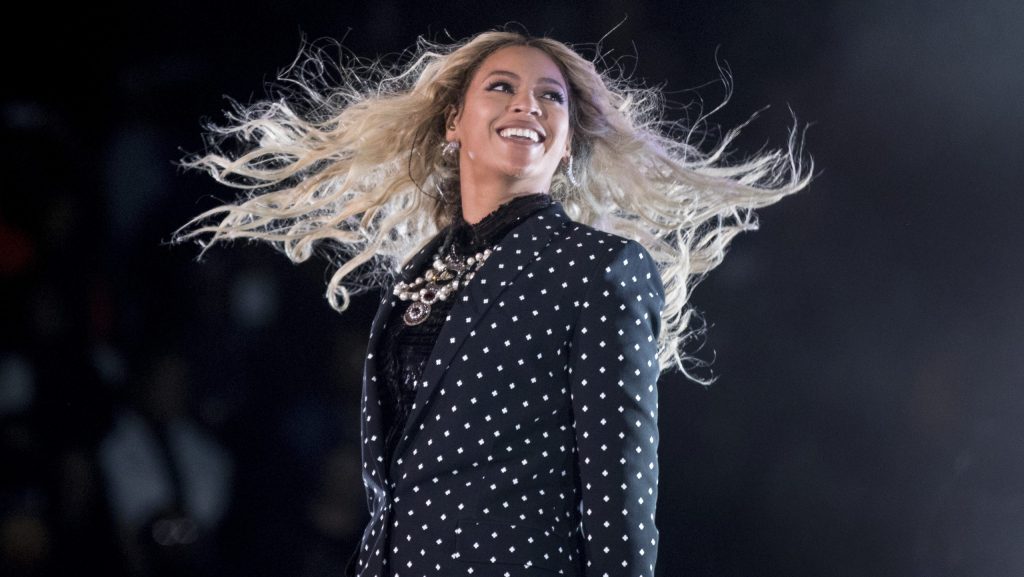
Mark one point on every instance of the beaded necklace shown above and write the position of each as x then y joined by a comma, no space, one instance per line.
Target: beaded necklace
449,271
442,279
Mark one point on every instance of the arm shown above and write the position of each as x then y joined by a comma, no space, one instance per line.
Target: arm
613,374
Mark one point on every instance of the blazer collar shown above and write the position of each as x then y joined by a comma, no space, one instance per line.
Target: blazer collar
523,244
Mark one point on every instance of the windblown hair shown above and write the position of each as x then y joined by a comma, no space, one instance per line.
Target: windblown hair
357,162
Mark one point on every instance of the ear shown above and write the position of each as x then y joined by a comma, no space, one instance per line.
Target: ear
451,119
568,146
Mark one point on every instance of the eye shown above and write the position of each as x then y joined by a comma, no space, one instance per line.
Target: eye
500,86
554,96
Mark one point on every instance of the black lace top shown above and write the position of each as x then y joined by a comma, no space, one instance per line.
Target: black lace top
405,349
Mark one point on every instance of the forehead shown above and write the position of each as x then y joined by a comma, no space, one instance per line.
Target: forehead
524,61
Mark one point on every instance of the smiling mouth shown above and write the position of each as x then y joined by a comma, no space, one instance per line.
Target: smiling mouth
525,134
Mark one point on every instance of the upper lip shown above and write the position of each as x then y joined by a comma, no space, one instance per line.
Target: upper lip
527,125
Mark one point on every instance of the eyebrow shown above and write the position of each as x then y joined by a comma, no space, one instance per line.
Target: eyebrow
544,79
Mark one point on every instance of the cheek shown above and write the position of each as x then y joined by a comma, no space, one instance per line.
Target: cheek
477,126
561,121
563,135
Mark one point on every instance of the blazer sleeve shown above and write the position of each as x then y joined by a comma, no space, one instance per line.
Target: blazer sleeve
613,374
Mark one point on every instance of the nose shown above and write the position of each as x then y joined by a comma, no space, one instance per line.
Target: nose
525,102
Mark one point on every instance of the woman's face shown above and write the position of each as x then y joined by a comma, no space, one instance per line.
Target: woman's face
513,126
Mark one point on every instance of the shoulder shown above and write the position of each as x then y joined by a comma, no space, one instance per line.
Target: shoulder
595,252
591,261
600,247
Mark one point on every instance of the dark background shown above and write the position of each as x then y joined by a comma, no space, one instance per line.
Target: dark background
867,340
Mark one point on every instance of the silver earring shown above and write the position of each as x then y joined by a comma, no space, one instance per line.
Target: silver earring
441,193
569,174
450,151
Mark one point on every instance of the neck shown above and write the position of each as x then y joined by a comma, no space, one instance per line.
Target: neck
480,199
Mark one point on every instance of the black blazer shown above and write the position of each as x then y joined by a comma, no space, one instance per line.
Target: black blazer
531,448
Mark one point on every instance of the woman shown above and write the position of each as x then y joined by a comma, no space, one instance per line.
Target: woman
509,410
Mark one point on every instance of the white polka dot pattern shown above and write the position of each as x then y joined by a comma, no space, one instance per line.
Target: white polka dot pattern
531,448
613,379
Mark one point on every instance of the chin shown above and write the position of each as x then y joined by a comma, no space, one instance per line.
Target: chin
522,172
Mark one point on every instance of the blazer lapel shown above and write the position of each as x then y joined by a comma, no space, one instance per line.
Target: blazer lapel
520,246
374,432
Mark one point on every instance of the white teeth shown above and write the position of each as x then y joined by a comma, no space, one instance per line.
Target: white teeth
520,132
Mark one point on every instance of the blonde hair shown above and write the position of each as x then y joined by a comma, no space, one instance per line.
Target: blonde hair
357,161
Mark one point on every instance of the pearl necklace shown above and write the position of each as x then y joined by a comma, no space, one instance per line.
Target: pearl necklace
443,279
